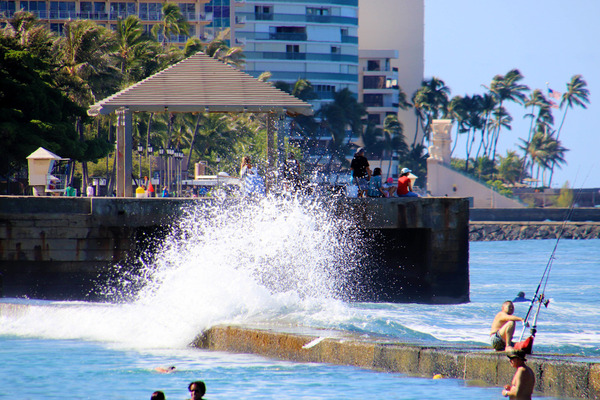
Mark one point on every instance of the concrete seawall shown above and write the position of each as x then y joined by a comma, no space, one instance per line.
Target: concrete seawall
556,375
491,231
66,248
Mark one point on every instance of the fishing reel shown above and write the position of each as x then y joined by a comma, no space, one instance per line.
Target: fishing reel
542,299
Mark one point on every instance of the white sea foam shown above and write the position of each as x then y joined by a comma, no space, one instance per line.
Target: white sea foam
267,260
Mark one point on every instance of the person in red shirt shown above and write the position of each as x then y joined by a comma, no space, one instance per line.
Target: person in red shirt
405,185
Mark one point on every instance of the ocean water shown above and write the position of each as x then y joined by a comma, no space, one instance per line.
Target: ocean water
279,262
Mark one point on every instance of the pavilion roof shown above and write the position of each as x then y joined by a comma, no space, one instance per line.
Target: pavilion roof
202,84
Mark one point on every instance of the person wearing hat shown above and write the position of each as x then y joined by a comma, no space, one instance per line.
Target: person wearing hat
523,382
360,171
405,185
389,187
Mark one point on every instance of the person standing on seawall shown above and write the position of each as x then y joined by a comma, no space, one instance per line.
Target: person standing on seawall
405,185
360,171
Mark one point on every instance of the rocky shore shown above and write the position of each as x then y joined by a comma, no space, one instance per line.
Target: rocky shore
490,231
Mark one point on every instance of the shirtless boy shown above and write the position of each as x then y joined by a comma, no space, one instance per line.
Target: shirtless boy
503,327
523,381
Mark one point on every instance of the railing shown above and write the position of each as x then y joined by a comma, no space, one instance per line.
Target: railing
270,55
56,182
321,19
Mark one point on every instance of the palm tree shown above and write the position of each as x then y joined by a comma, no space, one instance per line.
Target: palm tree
393,138
172,23
26,28
506,88
457,112
219,49
510,167
542,120
134,48
343,112
543,150
430,102
577,94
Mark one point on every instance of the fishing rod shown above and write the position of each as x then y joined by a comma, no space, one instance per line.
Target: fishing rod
540,297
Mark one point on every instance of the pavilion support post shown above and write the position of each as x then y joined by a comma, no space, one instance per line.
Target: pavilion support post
271,152
281,156
123,156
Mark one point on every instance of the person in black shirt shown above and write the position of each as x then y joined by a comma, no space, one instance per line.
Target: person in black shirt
361,173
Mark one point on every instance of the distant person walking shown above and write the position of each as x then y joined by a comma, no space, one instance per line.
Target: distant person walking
360,171
89,191
405,188
252,182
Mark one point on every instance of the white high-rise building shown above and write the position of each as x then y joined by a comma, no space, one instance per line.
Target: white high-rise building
398,25
316,40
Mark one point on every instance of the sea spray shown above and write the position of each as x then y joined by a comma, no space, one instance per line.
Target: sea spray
225,261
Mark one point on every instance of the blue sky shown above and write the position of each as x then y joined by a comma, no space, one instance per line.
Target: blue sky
467,42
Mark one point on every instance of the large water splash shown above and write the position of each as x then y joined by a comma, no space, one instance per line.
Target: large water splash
248,261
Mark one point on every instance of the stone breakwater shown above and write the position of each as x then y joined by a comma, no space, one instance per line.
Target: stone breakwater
561,376
489,231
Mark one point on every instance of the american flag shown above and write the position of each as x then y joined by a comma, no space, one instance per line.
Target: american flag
554,94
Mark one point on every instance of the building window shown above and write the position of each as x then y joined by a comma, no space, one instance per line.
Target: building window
263,13
317,11
374,82
121,10
7,8
297,33
58,28
374,119
62,9
336,50
188,10
150,11
373,100
373,65
36,7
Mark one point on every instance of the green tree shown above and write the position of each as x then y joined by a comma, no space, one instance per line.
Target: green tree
506,88
172,23
565,198
344,112
577,94
510,167
84,53
136,52
394,141
430,102
33,112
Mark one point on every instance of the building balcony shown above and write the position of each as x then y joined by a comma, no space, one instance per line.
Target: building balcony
272,55
303,18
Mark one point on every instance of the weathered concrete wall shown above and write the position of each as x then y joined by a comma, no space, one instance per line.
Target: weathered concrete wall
490,231
64,248
590,214
564,376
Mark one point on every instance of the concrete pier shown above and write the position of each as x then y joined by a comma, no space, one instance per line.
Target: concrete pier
556,375
65,248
